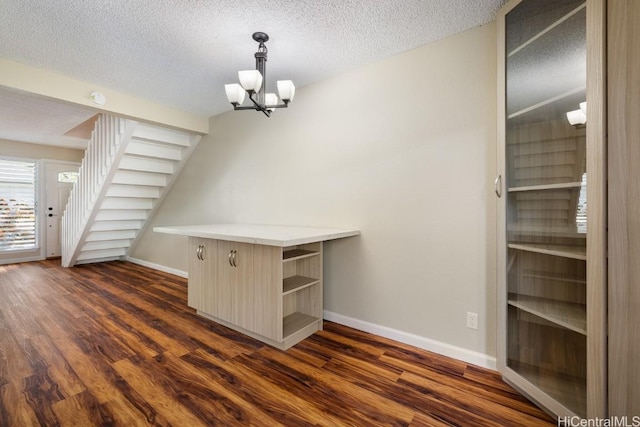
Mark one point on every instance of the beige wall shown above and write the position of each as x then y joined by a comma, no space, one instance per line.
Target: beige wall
404,150
37,151
57,86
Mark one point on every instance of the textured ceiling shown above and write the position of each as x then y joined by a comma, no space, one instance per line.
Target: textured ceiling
181,52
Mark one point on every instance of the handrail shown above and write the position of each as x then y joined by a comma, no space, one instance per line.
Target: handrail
101,152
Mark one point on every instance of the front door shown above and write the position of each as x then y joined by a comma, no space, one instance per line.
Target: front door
59,179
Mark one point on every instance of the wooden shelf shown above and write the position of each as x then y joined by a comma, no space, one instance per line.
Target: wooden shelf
549,101
295,254
574,252
554,277
566,314
546,30
569,391
562,185
295,322
532,230
296,283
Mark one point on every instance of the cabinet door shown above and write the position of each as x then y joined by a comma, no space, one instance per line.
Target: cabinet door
543,259
267,291
234,278
202,256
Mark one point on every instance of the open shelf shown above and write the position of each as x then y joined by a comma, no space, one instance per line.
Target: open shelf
295,322
566,314
546,187
295,254
296,283
574,252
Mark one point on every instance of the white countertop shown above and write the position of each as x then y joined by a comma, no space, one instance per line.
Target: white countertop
271,235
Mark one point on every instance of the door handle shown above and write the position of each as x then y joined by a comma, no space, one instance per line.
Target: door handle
232,258
200,252
497,186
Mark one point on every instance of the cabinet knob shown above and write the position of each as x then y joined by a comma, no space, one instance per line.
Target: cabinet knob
200,252
232,258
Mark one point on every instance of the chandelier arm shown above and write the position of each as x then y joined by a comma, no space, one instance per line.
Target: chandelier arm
258,106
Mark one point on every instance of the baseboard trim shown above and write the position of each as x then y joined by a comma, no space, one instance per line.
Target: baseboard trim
444,349
159,267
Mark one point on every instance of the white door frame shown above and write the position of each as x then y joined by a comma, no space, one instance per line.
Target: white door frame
42,235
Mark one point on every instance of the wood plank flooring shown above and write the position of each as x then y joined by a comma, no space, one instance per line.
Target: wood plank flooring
114,344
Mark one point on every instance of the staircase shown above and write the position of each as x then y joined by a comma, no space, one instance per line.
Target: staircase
127,170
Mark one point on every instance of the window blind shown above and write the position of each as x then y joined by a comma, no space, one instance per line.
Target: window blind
17,205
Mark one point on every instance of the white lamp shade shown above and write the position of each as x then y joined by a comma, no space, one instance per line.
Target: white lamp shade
286,89
583,107
251,80
576,117
235,93
270,99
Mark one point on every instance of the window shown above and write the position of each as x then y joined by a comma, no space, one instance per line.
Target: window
17,205
68,176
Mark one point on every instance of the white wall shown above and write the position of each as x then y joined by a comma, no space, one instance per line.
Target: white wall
404,150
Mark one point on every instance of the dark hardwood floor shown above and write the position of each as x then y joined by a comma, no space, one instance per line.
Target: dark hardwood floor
114,344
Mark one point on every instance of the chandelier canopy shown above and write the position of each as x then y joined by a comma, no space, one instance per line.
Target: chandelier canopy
251,82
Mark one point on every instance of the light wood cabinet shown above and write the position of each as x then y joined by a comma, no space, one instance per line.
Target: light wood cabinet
264,281
202,270
271,293
550,291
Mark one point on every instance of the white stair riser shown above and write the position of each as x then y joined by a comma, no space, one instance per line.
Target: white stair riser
105,245
118,190
126,203
139,178
105,253
146,165
116,225
121,215
97,236
149,149
153,133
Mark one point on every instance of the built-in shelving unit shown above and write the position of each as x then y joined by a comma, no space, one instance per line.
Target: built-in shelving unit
301,288
543,302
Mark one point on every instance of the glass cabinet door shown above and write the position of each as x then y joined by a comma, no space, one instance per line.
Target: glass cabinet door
545,171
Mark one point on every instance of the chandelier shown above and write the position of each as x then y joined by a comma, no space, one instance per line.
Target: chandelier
251,82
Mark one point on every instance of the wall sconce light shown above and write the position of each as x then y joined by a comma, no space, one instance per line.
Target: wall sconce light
251,82
578,117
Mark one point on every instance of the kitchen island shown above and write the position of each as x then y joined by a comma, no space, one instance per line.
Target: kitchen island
262,280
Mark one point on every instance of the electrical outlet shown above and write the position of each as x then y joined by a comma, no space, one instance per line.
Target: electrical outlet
472,320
